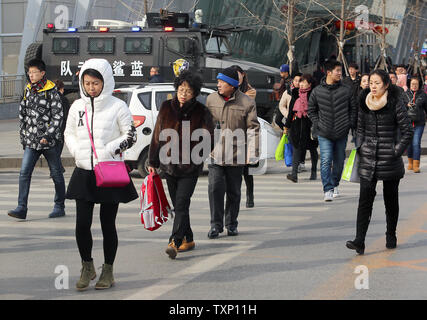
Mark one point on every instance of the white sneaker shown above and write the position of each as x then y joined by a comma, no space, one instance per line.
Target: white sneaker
336,193
301,168
329,195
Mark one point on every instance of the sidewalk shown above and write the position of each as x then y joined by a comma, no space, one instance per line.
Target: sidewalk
11,150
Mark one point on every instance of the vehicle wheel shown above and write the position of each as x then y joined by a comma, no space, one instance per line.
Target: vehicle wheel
34,51
143,164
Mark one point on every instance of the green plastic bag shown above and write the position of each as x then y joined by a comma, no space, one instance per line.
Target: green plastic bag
351,169
280,150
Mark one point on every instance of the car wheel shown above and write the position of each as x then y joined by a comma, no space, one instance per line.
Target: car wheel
143,164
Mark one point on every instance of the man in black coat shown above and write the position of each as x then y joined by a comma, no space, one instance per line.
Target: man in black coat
332,110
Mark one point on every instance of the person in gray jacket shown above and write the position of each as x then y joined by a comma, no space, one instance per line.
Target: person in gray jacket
235,117
332,110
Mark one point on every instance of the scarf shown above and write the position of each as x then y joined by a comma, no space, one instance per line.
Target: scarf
35,87
301,104
378,104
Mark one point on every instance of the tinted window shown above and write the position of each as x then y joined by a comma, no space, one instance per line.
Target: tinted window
162,96
124,96
65,45
202,97
101,45
145,99
138,45
177,44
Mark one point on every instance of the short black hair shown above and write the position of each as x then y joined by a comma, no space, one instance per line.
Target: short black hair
309,78
93,73
392,72
37,63
383,75
193,80
332,64
353,65
297,74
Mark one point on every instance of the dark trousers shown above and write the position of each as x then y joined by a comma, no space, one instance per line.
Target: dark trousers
366,201
107,214
180,190
224,180
249,181
297,159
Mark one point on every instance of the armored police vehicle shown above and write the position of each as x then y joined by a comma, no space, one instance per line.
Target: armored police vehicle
132,49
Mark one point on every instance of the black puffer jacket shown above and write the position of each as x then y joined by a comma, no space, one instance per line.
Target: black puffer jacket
332,110
380,149
417,113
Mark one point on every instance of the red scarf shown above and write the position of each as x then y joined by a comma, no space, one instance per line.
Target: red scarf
301,105
35,87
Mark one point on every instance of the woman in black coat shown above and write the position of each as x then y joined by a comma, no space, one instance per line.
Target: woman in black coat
416,101
299,126
382,114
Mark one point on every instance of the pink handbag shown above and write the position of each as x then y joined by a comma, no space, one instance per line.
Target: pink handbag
108,174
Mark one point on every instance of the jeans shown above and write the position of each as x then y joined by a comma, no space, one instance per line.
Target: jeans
224,180
366,201
29,161
414,149
180,190
332,156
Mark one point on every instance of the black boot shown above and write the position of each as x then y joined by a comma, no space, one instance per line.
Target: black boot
249,200
353,245
391,241
292,178
313,175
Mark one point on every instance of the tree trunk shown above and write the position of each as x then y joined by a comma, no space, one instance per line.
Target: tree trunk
291,57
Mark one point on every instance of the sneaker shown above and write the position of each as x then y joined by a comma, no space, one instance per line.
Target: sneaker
171,250
56,213
186,246
232,232
329,195
336,192
18,213
301,168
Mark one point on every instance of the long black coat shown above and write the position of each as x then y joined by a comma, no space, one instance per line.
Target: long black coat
377,138
300,128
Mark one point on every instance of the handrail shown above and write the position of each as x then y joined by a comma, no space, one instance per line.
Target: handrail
11,87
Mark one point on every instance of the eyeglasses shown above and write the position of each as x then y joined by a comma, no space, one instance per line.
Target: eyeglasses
186,92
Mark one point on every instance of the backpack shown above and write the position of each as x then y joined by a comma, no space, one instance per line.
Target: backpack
155,207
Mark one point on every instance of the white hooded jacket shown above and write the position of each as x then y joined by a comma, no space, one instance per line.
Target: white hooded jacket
113,130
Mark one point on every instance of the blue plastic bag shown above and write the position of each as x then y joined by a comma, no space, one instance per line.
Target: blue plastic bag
288,154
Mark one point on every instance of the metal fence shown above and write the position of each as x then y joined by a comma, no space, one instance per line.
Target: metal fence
11,87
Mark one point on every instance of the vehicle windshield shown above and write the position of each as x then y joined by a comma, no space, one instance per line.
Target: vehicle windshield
216,44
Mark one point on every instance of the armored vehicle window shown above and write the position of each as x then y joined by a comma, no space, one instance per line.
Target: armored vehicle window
100,45
145,99
65,45
217,45
177,44
138,45
162,96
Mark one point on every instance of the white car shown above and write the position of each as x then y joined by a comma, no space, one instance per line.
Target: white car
144,103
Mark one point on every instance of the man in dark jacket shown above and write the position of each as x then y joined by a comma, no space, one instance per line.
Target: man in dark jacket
353,80
332,110
155,76
40,120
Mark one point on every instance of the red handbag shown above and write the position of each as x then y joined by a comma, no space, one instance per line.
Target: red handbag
108,174
155,207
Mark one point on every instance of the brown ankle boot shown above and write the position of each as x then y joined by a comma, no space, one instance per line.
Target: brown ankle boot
417,166
410,164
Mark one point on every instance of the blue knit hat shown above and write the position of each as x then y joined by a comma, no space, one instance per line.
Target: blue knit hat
230,76
284,68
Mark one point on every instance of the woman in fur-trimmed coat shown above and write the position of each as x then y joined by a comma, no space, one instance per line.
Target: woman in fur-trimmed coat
178,119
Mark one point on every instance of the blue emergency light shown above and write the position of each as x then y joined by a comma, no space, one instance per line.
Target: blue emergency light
72,29
136,29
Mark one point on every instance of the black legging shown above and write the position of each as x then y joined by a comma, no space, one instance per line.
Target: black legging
84,215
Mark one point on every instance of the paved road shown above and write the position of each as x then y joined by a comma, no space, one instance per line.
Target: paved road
291,246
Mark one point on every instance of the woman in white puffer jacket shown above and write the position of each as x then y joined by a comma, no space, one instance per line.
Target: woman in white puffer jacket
112,130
